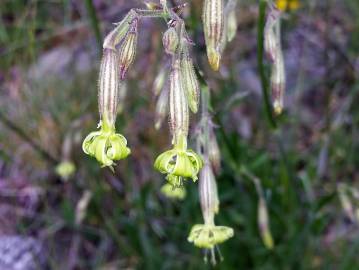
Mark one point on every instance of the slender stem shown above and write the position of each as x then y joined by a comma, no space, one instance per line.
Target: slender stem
260,60
94,23
151,13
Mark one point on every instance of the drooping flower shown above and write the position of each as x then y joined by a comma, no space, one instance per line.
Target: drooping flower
177,193
106,145
180,162
208,235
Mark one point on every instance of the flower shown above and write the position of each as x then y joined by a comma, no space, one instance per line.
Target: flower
207,236
173,192
106,145
65,169
290,5
179,163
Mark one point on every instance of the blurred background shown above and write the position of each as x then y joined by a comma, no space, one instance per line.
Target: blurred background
92,219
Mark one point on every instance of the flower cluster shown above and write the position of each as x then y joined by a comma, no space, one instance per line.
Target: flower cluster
178,92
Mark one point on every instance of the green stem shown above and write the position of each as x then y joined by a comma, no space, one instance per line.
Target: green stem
261,68
91,12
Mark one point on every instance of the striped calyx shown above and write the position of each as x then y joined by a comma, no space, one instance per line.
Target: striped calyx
108,87
179,114
278,82
127,51
170,40
208,194
161,108
190,81
213,25
273,49
106,145
271,45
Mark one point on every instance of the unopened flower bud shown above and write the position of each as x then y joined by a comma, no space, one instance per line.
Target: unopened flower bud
287,5
122,93
108,87
213,24
345,202
179,115
161,108
208,194
232,22
127,50
278,83
263,223
190,81
159,81
170,40
214,153
173,192
116,36
271,42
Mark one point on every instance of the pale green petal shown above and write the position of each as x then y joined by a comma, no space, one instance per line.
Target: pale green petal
207,236
86,145
101,151
173,192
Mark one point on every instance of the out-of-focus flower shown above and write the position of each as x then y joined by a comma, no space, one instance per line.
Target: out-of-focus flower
178,193
160,81
231,20
207,236
263,223
285,5
161,108
65,169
